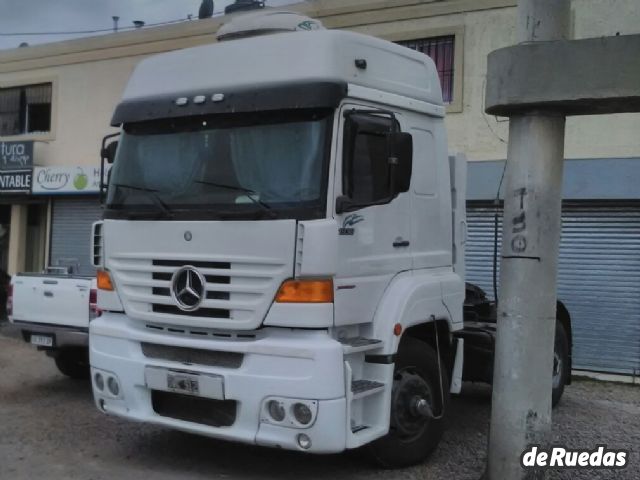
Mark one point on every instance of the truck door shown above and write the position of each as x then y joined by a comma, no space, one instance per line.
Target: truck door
374,235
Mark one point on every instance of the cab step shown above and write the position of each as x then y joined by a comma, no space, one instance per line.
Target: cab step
359,344
358,428
363,388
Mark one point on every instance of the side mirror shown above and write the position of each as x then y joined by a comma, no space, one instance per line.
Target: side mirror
401,158
109,152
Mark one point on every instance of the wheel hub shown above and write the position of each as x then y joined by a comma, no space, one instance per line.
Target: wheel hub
412,404
420,407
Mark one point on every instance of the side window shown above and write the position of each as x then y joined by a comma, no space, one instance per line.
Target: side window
366,167
25,109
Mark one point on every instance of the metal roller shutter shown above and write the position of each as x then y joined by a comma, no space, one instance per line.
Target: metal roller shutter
598,278
71,232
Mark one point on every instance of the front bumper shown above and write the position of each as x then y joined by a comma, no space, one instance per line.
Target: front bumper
65,336
289,364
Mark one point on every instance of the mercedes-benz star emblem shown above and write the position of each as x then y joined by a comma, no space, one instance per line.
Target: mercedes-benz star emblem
188,288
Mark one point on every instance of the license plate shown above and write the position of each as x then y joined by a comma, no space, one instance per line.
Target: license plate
187,383
181,383
42,340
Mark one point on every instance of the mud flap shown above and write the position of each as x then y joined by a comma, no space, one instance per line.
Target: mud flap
456,374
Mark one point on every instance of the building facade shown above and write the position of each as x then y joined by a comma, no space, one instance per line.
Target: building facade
57,99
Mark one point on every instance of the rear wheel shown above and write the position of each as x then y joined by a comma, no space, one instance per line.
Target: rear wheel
560,363
74,363
417,407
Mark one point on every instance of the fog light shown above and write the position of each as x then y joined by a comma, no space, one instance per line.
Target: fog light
302,413
276,410
112,385
98,379
304,441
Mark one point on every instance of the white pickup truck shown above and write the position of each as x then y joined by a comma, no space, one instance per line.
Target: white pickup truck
52,311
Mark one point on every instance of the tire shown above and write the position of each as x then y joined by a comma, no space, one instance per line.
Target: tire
560,363
74,363
413,437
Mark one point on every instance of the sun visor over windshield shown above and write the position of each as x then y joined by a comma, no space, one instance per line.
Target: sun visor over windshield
281,97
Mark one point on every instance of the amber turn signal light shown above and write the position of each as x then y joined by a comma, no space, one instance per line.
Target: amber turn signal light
104,280
306,291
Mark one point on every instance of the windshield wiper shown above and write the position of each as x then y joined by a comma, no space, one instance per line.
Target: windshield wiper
247,191
153,196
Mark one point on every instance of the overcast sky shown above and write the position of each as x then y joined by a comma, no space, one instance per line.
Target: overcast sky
19,16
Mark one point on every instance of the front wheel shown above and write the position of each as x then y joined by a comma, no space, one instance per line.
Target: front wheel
74,363
417,407
560,363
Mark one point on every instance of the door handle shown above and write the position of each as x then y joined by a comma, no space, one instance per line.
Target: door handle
399,243
48,294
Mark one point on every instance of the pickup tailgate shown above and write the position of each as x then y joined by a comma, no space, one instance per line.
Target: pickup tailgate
52,300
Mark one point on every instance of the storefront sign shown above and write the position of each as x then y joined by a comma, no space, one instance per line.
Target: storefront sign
16,155
66,180
18,181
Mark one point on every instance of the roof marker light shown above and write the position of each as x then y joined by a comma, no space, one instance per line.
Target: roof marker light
199,99
217,97
182,101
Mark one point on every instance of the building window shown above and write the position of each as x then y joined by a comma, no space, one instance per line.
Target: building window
441,51
25,109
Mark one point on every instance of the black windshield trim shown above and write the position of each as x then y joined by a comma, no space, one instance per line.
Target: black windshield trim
162,126
204,213
282,97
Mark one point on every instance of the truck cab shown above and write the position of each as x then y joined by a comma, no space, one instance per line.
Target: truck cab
281,260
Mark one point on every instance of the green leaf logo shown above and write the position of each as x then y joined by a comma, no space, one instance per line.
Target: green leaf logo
80,181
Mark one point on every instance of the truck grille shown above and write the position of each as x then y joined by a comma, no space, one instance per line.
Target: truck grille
192,356
211,293
237,291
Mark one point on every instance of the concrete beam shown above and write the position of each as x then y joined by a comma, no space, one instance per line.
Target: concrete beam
572,77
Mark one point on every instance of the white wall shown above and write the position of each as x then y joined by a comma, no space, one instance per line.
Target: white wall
483,137
84,96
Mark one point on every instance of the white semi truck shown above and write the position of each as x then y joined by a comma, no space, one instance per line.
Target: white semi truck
281,260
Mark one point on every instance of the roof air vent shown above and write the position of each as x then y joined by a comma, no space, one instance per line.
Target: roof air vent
266,22
243,5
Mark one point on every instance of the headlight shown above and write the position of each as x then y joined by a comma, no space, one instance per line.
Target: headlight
302,413
112,385
289,412
276,410
98,380
106,384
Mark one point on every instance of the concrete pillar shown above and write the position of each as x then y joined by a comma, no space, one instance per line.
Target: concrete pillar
521,405
521,409
17,239
543,20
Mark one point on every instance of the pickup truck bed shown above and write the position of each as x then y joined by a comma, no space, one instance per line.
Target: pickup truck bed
53,312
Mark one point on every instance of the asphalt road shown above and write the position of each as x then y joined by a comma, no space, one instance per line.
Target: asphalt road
50,429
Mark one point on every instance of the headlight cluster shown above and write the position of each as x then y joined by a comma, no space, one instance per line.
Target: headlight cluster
106,383
289,412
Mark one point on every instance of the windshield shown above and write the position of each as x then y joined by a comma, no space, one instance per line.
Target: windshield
267,165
